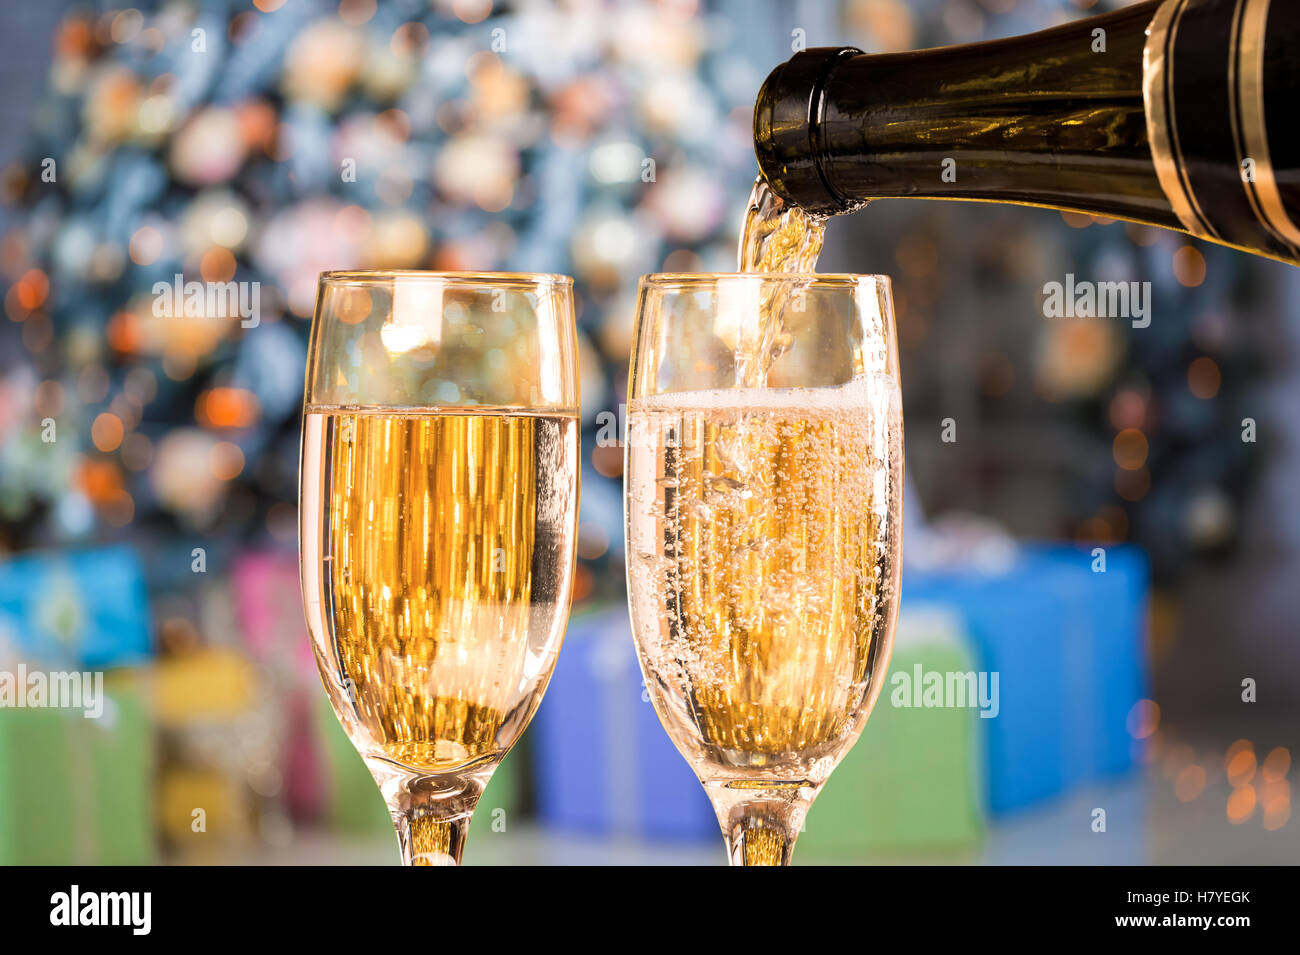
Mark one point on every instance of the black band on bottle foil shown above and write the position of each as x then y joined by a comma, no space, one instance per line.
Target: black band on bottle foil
1216,133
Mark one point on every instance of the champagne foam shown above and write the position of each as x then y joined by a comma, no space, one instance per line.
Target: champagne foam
862,391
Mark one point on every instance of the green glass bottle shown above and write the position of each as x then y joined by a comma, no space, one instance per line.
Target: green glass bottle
1177,113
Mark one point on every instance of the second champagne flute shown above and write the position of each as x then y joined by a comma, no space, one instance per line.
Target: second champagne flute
438,513
763,501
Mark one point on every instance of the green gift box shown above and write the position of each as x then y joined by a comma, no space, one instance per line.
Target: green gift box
75,790
355,806
500,807
122,763
910,785
37,785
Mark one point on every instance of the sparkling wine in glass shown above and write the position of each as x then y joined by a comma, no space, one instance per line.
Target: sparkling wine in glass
438,511
763,497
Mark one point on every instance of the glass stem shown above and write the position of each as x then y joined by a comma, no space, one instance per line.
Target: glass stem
760,822
431,839
431,813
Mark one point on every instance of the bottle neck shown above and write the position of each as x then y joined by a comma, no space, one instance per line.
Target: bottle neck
1116,115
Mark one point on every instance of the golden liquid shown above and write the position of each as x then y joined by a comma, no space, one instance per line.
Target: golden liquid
776,237
437,557
780,238
763,546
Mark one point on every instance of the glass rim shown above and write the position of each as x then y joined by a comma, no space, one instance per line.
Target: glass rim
379,276
705,279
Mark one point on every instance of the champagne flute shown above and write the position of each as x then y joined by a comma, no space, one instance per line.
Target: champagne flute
438,512
763,502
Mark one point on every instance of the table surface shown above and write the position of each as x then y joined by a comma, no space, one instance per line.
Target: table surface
1176,833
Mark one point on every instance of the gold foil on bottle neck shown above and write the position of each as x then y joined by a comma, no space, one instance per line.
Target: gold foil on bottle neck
1162,131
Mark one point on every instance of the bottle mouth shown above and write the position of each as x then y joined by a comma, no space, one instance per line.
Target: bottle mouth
787,130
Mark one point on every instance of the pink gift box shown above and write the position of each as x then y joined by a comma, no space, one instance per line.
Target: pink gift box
268,606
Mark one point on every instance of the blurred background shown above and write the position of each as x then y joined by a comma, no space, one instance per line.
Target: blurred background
150,530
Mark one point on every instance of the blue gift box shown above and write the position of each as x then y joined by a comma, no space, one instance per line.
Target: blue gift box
1104,592
85,608
602,761
1065,635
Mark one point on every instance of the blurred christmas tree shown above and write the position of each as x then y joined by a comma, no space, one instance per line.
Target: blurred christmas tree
261,145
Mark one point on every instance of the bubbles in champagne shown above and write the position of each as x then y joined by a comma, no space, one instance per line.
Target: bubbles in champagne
762,534
436,556
762,528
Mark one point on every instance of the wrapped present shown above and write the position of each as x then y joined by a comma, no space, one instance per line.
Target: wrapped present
1017,627
75,790
1066,644
603,763
268,606
353,803
203,812
1105,637
268,610
500,808
302,760
122,759
39,779
84,608
210,685
911,783
221,784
